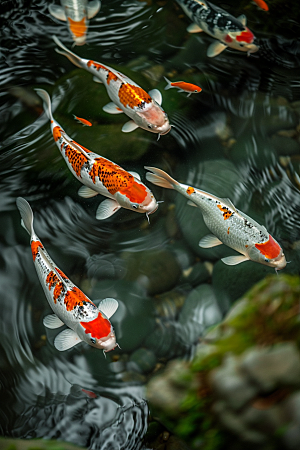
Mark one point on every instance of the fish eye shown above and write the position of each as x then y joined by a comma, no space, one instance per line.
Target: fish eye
135,206
149,125
93,340
241,45
195,90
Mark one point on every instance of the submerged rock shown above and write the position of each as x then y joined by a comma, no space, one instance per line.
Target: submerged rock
246,381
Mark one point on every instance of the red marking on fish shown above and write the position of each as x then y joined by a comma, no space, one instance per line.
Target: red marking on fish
132,96
228,38
188,87
76,158
111,76
98,328
35,248
90,394
245,36
262,4
78,28
58,290
57,133
96,65
74,297
228,230
226,212
269,249
190,190
112,176
51,279
83,121
136,193
64,277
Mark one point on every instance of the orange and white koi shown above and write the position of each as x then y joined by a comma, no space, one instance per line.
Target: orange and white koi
262,4
183,86
70,305
228,225
77,14
219,24
100,175
83,122
144,109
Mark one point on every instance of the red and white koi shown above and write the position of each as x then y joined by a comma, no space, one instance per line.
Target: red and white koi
100,175
219,24
144,109
83,122
228,225
70,305
183,87
77,14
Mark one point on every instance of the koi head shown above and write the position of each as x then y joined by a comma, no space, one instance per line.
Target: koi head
153,118
268,253
98,333
137,197
243,41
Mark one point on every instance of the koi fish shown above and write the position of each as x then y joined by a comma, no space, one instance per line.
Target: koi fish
228,225
84,122
70,305
219,24
100,175
262,4
183,86
144,109
77,14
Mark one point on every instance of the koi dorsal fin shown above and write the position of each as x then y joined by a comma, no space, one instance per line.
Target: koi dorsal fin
228,202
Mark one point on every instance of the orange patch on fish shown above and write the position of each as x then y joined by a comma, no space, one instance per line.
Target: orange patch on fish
61,274
226,212
190,190
269,249
132,96
75,158
74,298
59,288
188,87
98,328
57,133
246,36
77,28
96,65
228,230
35,248
112,176
262,4
111,76
136,193
51,279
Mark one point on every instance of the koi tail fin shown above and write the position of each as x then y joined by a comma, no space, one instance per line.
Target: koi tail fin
26,214
46,102
160,178
168,85
66,52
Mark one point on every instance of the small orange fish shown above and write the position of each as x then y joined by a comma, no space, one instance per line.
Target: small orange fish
262,4
183,86
84,122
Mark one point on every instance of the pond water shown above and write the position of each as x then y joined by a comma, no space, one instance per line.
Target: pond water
238,138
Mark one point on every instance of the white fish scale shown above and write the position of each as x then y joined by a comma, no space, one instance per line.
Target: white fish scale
241,231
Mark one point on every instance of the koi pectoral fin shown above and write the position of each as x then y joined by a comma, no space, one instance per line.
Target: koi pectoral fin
86,192
97,80
58,12
52,321
215,49
130,126
66,339
209,241
234,260
108,306
194,28
93,8
107,208
243,19
156,95
135,174
112,108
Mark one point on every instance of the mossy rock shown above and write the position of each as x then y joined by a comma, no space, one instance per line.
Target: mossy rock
239,385
35,444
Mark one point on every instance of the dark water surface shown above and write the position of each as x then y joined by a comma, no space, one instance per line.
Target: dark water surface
239,138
